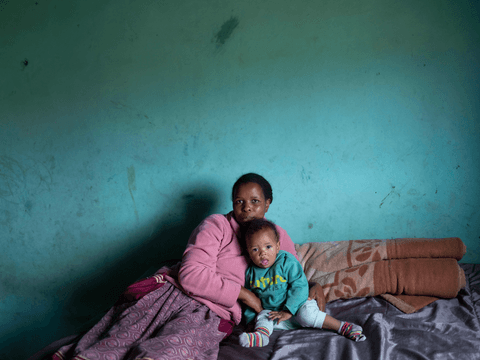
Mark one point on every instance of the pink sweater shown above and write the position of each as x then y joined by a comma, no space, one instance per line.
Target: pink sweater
213,267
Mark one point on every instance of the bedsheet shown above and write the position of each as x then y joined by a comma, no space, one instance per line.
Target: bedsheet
445,329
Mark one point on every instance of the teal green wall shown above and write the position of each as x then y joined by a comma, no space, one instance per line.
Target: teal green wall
132,120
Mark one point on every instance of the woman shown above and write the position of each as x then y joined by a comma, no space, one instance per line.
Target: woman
184,312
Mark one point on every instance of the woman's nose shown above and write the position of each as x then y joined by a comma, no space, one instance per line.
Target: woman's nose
246,206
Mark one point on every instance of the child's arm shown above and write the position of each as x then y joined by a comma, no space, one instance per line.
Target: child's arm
198,274
297,290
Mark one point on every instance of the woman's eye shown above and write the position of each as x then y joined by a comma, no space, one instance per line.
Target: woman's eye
238,201
255,201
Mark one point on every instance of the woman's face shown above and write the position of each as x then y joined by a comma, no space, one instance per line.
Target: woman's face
249,203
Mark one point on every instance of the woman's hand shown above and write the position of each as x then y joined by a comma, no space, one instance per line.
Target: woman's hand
279,316
316,293
250,299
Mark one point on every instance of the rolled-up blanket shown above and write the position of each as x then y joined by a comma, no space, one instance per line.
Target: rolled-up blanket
427,277
409,273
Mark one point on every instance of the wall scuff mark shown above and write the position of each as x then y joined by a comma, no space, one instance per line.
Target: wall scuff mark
132,187
22,180
390,193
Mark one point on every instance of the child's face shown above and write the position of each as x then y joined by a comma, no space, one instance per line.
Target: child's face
263,248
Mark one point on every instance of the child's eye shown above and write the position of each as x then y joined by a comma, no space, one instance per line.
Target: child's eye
254,250
269,246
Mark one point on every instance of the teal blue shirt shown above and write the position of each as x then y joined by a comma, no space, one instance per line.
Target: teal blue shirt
282,286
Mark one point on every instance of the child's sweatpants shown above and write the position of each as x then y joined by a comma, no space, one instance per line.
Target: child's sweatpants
309,315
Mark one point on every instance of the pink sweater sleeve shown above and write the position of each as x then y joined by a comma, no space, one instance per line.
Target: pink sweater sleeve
198,274
286,242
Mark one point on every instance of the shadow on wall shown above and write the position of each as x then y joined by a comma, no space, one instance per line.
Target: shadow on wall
164,246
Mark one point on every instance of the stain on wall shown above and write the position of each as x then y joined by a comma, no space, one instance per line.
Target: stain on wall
226,30
3,4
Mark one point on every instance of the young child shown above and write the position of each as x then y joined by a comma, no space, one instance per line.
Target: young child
277,279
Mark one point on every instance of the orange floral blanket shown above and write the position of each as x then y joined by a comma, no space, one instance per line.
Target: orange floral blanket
409,273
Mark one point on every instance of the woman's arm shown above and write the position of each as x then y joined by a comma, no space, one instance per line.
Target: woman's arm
199,274
316,293
250,299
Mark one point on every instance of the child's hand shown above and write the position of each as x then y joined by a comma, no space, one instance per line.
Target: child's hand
279,316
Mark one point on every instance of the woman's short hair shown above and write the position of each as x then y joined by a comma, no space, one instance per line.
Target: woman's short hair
257,179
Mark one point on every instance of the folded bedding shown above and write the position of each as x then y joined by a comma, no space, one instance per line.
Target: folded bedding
409,273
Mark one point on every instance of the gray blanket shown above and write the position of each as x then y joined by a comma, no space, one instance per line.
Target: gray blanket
445,329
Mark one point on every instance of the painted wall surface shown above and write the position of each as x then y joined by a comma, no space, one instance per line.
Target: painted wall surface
124,123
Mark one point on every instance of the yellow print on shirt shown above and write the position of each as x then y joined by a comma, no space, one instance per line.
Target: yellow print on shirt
264,282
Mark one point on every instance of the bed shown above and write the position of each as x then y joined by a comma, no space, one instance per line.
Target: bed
438,319
444,329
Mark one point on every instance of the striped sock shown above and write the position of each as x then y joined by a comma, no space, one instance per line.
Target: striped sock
259,338
351,331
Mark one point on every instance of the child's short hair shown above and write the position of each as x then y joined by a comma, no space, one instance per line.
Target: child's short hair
256,225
